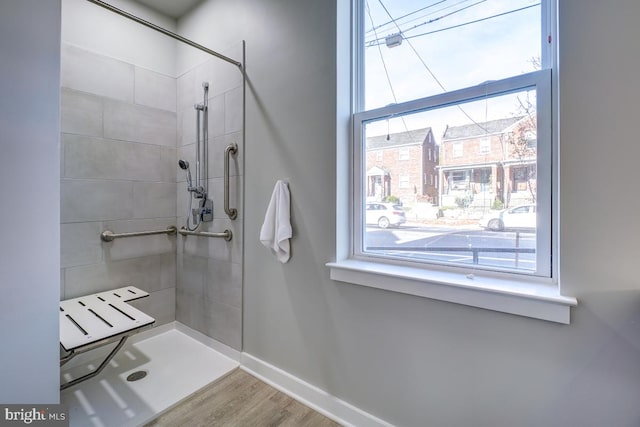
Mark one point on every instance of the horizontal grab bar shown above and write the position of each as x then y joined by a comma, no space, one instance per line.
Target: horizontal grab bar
110,236
226,234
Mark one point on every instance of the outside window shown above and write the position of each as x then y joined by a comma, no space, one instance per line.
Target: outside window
457,149
467,74
485,146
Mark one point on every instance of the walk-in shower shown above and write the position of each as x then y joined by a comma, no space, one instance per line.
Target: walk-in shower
142,138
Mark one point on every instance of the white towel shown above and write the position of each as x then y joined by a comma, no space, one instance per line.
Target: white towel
276,229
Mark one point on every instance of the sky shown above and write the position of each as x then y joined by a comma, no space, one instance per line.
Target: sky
459,57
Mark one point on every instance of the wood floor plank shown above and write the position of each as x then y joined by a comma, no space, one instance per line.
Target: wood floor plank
239,400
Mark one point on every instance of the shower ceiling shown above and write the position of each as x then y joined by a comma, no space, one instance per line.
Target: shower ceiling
172,8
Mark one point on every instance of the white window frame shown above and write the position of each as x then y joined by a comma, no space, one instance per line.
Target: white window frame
533,296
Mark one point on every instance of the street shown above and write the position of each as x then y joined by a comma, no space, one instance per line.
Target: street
513,250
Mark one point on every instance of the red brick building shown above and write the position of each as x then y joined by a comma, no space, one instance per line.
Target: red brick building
402,165
488,161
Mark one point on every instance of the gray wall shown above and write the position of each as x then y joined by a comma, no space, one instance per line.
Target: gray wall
30,194
414,361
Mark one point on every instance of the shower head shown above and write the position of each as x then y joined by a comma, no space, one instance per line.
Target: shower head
184,165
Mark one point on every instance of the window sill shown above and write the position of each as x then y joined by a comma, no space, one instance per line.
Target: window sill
522,298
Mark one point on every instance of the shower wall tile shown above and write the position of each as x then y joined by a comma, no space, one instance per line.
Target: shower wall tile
161,305
185,96
217,147
136,123
221,75
81,113
80,243
151,273
192,271
133,247
155,90
223,283
216,188
224,323
190,310
98,158
94,200
89,72
154,200
233,118
186,126
217,115
222,250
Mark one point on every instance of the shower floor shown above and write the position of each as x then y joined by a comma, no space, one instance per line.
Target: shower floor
176,366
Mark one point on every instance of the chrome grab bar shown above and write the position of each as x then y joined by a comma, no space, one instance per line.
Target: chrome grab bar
226,234
231,149
110,236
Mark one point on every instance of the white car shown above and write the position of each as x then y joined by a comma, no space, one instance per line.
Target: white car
385,214
519,217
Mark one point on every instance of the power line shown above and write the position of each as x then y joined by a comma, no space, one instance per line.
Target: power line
381,40
404,16
428,69
386,71
451,6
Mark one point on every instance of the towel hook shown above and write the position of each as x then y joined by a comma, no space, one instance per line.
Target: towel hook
231,149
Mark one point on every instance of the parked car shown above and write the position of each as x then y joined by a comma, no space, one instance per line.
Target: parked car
523,216
385,214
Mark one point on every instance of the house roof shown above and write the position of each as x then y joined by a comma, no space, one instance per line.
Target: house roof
480,128
413,137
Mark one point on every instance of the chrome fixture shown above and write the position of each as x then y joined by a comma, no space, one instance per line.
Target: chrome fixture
199,188
232,149
226,234
110,236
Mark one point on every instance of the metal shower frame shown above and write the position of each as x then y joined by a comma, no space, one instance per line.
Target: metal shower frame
167,32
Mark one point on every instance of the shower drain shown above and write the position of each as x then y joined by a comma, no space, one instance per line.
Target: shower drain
138,375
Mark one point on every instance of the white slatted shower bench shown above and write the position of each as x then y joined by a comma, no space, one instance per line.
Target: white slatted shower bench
93,321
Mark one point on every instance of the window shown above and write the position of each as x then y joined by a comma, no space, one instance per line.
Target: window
469,75
485,146
457,149
404,181
403,154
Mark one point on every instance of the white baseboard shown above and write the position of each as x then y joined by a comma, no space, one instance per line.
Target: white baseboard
310,395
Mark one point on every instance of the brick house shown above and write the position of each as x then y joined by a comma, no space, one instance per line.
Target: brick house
403,165
488,161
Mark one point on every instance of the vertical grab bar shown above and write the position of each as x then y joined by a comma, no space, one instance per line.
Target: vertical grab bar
231,149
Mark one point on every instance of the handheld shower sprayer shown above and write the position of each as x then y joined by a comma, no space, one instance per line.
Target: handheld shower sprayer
184,165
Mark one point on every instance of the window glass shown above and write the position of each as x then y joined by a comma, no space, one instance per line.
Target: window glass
414,49
463,224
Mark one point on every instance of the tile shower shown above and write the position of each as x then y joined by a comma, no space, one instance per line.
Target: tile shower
123,129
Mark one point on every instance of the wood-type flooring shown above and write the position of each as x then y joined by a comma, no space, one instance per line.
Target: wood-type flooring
238,400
